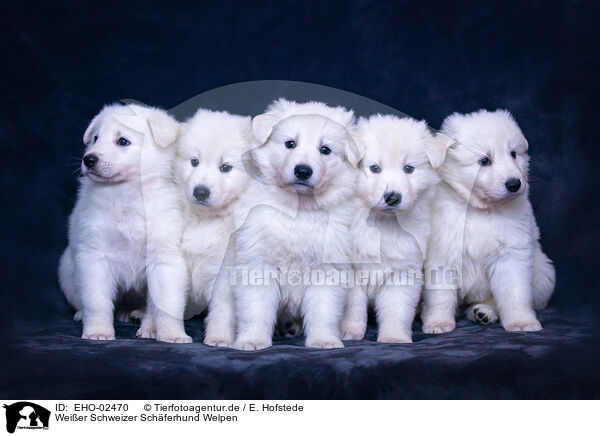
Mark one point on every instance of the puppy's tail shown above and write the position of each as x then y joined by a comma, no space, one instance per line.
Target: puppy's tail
544,278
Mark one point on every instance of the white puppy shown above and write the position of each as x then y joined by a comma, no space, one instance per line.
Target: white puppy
484,250
125,230
391,226
212,177
307,161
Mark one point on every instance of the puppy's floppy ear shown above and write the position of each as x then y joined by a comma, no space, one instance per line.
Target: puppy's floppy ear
262,126
164,128
87,136
436,147
355,148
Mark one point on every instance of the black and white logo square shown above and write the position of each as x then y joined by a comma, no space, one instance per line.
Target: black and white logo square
26,415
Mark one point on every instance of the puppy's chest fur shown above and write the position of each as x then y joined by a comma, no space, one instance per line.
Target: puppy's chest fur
490,234
390,245
115,222
383,241
310,238
485,236
109,222
204,245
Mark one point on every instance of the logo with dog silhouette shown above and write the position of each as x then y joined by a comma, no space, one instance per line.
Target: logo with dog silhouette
26,415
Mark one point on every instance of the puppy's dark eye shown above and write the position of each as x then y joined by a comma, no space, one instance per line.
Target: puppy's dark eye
484,162
513,154
123,142
95,139
194,162
375,168
408,169
290,144
325,150
225,168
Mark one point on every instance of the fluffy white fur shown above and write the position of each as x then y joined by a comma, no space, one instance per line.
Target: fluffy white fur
125,229
483,232
209,157
391,239
297,225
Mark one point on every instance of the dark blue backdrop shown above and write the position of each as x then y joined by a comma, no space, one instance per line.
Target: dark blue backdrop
63,60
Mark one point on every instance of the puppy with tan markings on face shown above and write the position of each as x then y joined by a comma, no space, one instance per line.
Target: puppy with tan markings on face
391,226
306,161
484,253
212,178
125,229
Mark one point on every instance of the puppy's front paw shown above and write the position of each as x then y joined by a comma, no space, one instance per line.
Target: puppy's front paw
174,337
437,327
99,334
353,331
252,344
78,315
324,343
529,325
218,341
146,332
394,339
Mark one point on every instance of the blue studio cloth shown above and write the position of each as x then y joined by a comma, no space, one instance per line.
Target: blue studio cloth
472,362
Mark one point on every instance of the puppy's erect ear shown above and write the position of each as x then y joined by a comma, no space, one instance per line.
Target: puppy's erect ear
87,136
164,128
262,126
436,147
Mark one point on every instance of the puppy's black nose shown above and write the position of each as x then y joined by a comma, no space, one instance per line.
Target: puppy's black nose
89,160
392,198
201,193
513,185
303,172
